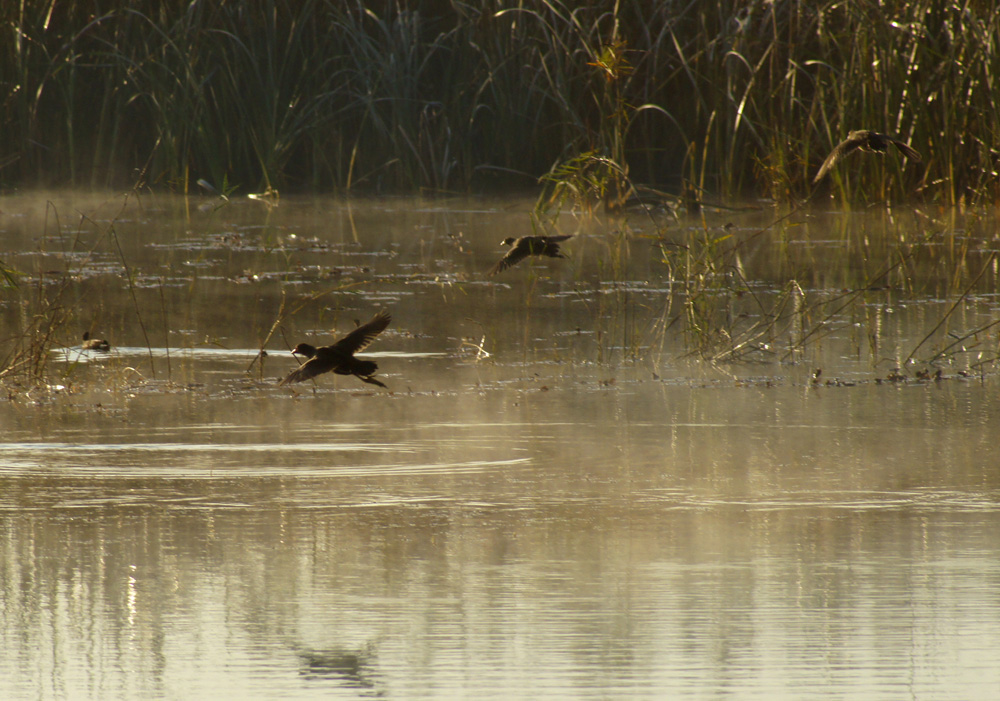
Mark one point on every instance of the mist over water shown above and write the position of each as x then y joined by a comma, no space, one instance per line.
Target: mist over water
553,498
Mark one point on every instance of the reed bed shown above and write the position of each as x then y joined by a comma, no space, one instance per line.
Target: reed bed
734,98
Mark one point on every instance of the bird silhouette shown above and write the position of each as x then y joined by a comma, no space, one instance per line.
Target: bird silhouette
339,357
521,248
864,140
97,344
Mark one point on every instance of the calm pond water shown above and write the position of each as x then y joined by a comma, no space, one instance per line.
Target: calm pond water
553,498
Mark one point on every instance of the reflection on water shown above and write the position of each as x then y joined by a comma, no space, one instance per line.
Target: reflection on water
542,521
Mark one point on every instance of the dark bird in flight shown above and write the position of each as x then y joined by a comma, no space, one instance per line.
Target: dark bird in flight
96,344
339,357
521,248
866,141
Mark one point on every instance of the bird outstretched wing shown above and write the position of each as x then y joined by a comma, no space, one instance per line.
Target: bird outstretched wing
308,370
852,143
514,256
362,337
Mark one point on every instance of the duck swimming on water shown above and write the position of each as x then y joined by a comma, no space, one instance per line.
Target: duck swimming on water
95,344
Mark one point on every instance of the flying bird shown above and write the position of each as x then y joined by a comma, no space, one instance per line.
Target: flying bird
96,344
521,248
866,141
339,357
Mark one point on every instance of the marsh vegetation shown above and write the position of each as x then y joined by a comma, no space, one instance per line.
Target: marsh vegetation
729,99
615,111
739,439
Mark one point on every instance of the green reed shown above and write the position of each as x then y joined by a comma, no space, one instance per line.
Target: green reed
738,98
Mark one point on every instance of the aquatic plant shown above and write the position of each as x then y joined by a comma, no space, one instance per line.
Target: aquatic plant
43,311
732,312
584,182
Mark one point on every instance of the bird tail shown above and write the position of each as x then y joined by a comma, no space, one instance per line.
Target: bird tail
364,367
908,151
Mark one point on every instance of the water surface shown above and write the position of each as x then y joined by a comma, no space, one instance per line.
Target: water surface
551,500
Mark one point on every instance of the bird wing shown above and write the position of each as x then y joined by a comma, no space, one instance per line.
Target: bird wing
513,257
906,150
362,337
306,371
840,150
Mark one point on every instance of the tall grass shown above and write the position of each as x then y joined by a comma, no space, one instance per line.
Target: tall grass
735,97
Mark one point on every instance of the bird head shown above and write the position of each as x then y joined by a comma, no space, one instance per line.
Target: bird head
304,349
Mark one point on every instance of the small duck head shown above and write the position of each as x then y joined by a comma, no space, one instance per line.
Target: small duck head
304,349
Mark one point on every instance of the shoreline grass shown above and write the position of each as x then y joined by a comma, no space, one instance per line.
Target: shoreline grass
733,98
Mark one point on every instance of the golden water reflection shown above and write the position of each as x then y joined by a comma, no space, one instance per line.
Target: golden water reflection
545,502
592,544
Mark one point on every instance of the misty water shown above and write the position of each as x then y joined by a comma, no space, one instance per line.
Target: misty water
557,495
